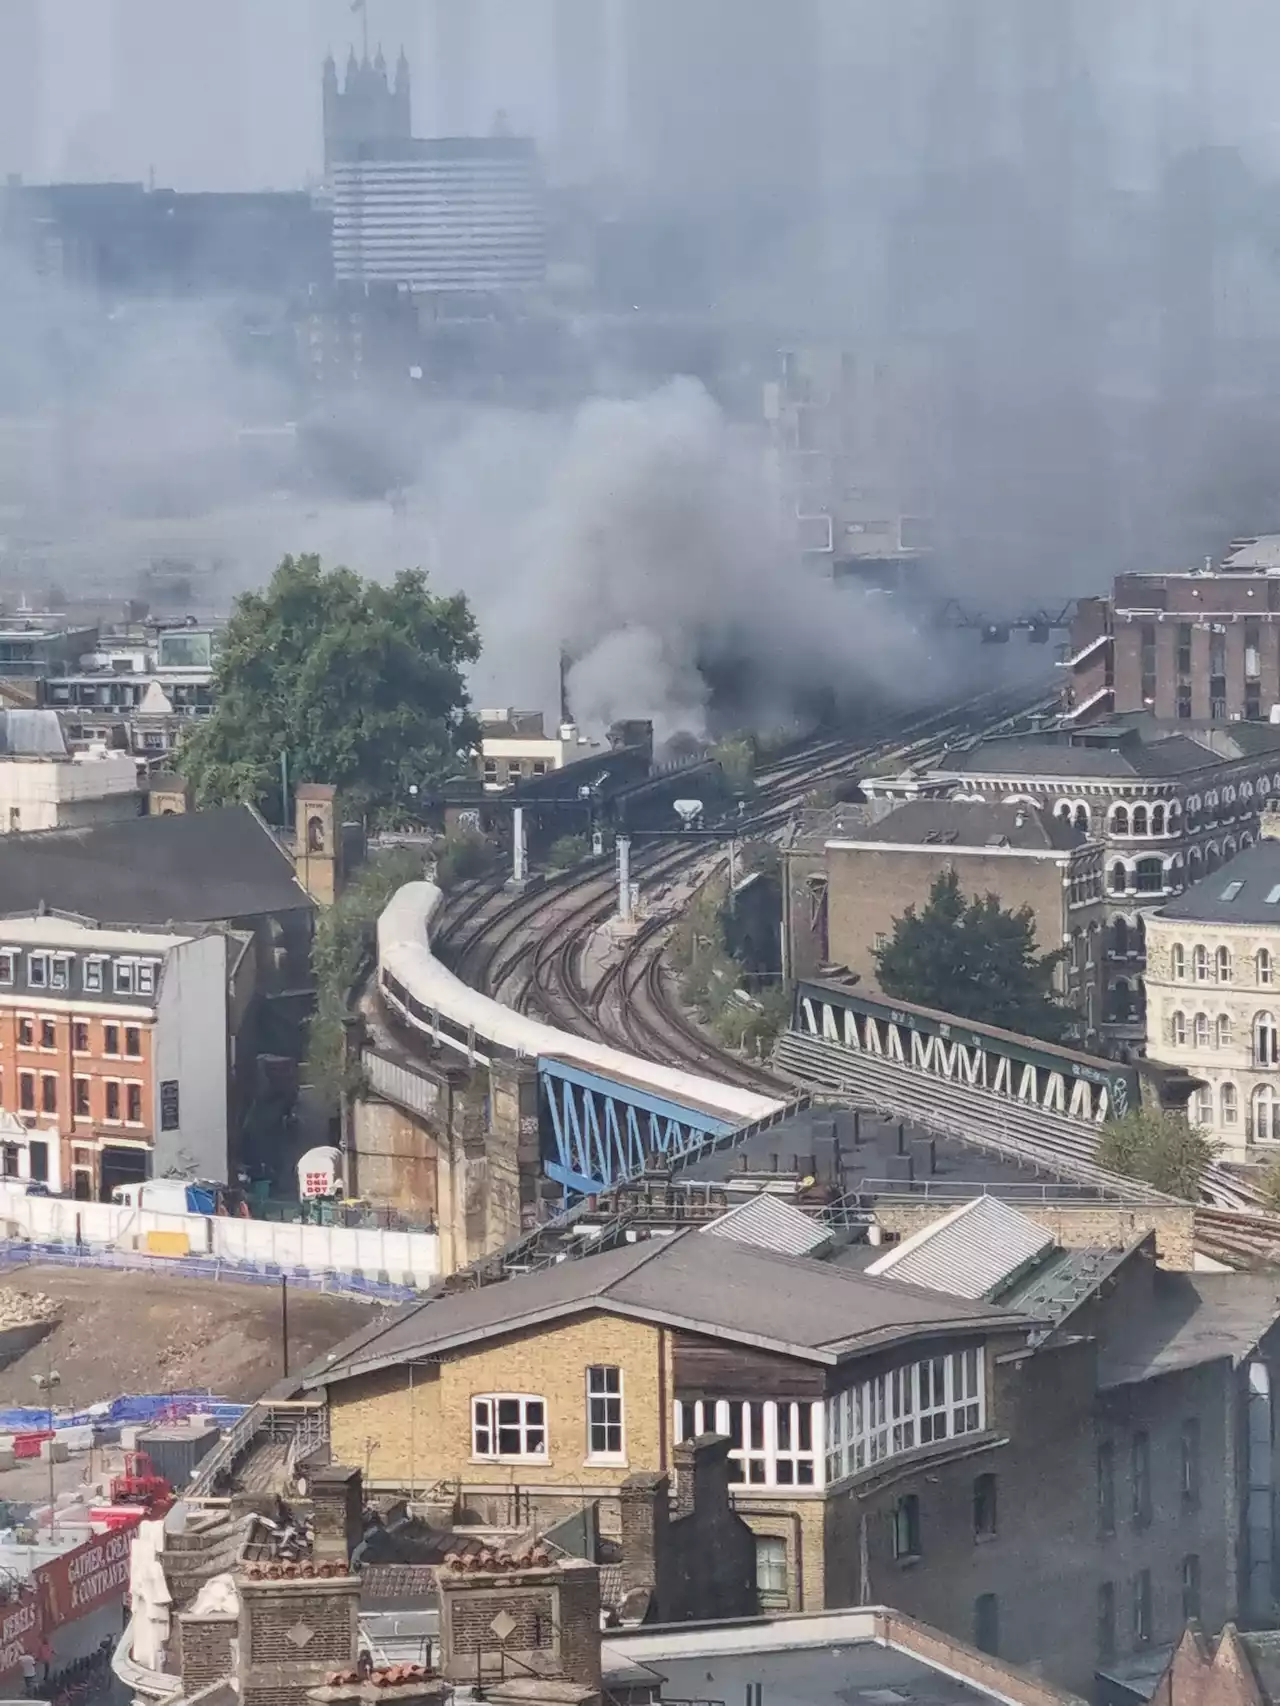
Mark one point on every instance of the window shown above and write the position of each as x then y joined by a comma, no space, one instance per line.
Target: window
124,970
771,1443
1190,1463
1139,820
111,1039
604,1410
38,1160
1200,963
80,1098
1106,1488
882,939
1149,876
500,1427
59,971
1266,1040
1190,1587
1201,1111
1118,879
1141,1479
112,1100
1263,968
1120,938
1178,1030
146,977
48,1034
38,971
93,975
1106,1620
133,1042
1202,1030
771,1573
1142,1608
7,957
1120,820
27,1092
1222,1031
984,1507
1223,965
986,1623
1157,820
915,1405
133,1104
906,1527
79,1036
26,1033
9,1163
48,1094
1229,1102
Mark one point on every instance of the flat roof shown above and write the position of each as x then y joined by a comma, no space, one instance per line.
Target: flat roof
1193,1319
55,931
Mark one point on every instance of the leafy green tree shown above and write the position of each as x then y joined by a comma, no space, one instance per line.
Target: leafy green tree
975,959
1161,1148
358,683
343,943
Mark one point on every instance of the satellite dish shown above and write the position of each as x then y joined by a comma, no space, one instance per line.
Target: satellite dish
688,810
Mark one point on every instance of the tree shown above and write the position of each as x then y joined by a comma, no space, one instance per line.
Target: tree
1161,1148
358,684
974,959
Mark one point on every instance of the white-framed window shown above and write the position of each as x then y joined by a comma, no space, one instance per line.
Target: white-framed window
1266,1040
1202,1107
8,958
146,977
1202,1030
918,1404
1178,962
93,975
1262,965
1230,1104
1222,1036
1200,963
772,1442
124,976
604,1412
59,971
1222,964
509,1425
38,971
772,1586
1178,1030
1265,1107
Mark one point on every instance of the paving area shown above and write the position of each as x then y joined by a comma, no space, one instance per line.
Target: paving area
122,1332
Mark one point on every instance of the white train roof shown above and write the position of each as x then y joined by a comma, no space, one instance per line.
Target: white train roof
404,951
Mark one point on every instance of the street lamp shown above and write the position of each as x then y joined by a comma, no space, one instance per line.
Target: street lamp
47,1383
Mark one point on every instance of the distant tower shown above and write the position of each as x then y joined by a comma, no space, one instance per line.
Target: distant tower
366,107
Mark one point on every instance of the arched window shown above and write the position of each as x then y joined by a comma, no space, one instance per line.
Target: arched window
1139,820
1229,1104
1178,962
1266,1040
1063,810
1121,1001
1195,860
1095,931
1222,964
1149,876
1118,879
1077,949
1211,801
1263,967
1264,786
1119,820
1211,856
1193,812
1222,1034
1140,935
1157,820
1246,790
1229,847
1202,1030
1178,1029
1089,1013
1081,819
1265,1106
1200,963
1228,796
315,835
1120,938
1202,1107
1246,840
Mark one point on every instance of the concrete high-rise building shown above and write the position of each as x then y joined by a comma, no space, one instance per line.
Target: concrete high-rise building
724,100
181,82
21,89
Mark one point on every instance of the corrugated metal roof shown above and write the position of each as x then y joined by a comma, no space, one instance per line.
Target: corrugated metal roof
971,1252
767,1222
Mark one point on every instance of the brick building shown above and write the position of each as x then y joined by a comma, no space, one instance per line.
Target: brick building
113,1052
1050,1466
1202,644
1213,958
872,872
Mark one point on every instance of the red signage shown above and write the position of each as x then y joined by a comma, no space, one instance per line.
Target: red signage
21,1632
80,1581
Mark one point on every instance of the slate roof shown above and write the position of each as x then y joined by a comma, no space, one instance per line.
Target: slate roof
967,823
793,1306
191,868
1256,870
1193,1319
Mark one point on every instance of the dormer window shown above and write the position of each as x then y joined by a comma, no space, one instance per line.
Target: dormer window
125,971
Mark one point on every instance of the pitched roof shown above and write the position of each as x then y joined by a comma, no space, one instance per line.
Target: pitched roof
1246,890
968,823
1193,1319
1127,756
971,1252
765,1222
793,1306
191,868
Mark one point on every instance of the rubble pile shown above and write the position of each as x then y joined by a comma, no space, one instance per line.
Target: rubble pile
26,1308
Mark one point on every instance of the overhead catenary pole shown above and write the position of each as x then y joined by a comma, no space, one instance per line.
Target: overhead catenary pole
624,878
284,1322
